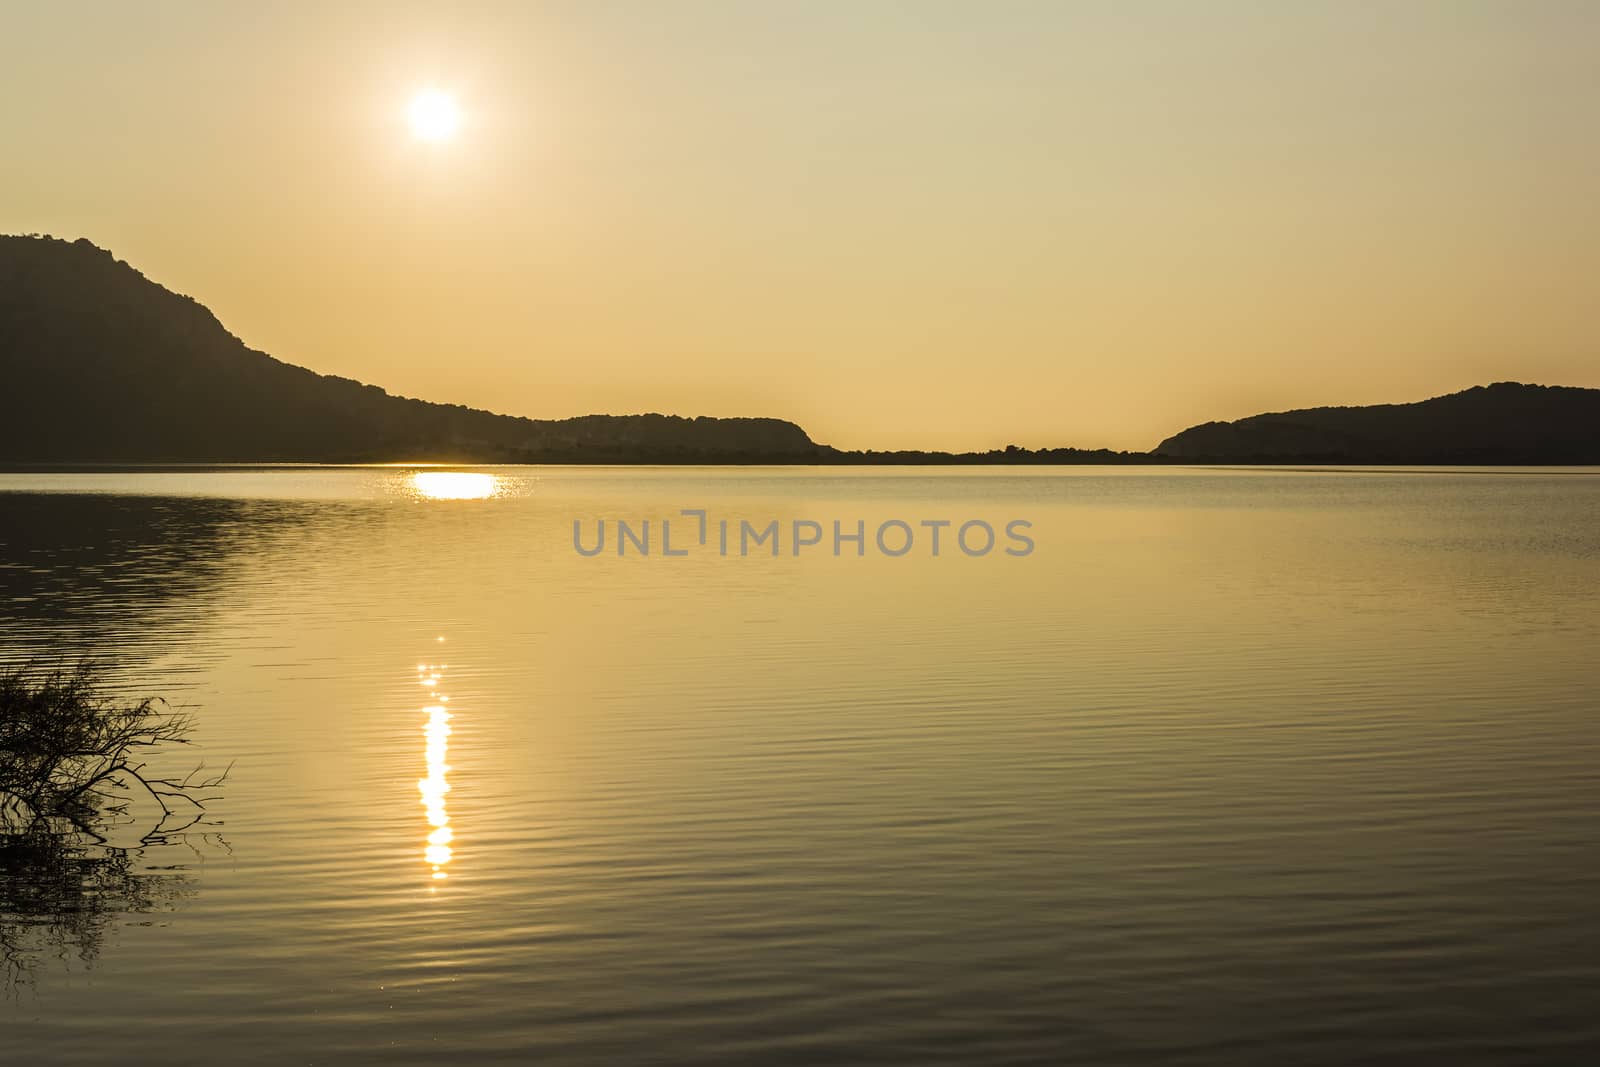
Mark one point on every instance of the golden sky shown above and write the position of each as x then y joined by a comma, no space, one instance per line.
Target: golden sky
915,224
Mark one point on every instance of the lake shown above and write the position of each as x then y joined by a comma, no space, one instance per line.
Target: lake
1233,766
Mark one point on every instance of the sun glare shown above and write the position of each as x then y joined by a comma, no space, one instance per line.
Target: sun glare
433,116
437,852
453,485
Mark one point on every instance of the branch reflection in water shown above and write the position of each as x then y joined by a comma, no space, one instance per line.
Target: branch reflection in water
88,835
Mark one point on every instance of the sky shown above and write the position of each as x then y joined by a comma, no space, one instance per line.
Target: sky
925,223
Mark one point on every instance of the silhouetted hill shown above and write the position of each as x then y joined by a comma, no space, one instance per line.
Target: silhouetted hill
98,363
1504,423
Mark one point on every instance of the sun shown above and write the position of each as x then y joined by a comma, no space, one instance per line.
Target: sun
433,116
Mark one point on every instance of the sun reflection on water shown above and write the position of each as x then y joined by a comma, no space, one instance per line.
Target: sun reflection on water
435,786
454,485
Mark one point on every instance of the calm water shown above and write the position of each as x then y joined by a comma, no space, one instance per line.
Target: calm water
1236,767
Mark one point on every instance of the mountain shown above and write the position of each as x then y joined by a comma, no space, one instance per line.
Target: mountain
1504,423
98,363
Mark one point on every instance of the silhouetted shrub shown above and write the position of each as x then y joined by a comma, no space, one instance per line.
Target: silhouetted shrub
69,751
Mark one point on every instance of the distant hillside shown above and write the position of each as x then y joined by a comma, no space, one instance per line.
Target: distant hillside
98,363
1504,423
